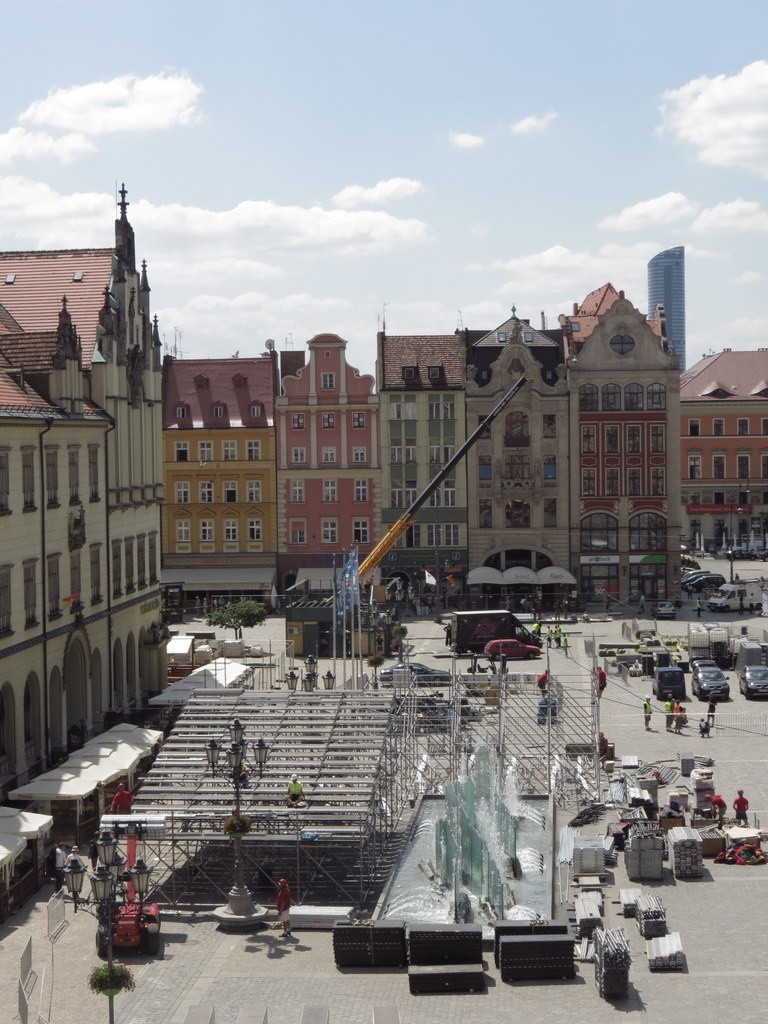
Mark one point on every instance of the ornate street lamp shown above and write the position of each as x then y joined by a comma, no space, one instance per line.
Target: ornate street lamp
240,911
107,892
309,682
329,680
292,680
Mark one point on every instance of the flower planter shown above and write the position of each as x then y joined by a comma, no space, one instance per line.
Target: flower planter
111,991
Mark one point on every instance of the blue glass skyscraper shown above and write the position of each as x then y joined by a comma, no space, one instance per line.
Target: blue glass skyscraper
666,287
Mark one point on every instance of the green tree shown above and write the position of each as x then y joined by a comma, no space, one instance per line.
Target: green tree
238,616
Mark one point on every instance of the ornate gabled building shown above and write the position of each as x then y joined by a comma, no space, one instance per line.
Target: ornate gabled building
80,493
220,518
518,479
624,423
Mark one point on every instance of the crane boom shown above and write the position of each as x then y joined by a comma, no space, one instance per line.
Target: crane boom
400,525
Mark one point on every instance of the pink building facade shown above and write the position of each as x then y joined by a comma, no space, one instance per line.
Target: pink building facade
328,469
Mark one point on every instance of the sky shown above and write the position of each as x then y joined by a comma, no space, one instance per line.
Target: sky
296,169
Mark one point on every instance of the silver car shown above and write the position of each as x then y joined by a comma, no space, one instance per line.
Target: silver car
753,681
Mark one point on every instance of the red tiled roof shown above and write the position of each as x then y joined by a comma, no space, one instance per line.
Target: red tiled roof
422,351
16,400
180,387
32,352
40,279
727,375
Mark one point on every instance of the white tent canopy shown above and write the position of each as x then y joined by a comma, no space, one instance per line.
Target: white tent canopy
24,823
180,646
11,847
519,574
219,675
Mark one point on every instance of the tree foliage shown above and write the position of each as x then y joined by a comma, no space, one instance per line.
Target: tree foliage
238,616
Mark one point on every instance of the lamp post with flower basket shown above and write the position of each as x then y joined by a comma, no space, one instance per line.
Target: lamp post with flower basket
239,912
111,887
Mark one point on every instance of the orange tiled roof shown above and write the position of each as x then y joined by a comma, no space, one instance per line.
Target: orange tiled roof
32,285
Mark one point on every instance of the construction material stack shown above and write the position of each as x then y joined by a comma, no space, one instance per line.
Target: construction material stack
665,953
644,853
651,917
503,928
685,852
588,855
445,958
612,960
588,915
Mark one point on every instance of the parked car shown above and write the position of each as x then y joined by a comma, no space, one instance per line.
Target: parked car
510,649
707,581
708,682
753,681
419,673
668,680
664,610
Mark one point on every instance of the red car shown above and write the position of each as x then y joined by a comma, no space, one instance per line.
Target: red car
510,649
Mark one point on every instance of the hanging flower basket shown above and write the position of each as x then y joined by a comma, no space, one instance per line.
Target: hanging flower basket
110,981
237,825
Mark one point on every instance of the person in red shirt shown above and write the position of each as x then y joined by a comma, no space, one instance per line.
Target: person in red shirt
719,806
283,906
122,800
740,808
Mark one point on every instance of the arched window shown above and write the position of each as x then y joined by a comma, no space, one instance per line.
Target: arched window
657,396
517,513
633,396
588,398
648,532
516,432
599,532
611,398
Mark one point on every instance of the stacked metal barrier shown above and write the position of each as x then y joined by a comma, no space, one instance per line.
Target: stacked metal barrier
612,961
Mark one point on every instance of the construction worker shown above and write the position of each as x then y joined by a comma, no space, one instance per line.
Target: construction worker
295,794
647,712
558,635
564,643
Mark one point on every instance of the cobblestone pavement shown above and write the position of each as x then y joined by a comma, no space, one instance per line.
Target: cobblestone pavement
719,918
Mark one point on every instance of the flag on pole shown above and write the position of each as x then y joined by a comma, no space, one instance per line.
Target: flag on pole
429,578
351,580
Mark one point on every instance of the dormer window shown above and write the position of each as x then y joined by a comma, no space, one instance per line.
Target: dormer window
501,336
409,373
256,410
201,381
435,372
218,411
528,337
181,412
239,380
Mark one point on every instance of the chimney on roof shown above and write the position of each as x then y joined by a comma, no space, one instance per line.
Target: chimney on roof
575,309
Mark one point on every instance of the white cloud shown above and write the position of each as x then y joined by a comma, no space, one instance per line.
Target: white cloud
127,103
533,124
747,277
725,118
651,213
20,144
738,215
478,230
464,140
354,196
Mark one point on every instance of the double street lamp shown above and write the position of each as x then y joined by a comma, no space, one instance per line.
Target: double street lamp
239,911
108,891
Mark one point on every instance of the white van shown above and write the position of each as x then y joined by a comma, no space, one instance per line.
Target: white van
732,596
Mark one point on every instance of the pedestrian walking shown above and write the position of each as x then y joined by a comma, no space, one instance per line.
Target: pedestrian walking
642,604
740,808
283,904
647,712
558,636
59,862
602,681
678,716
711,712
564,642
93,852
669,711
698,607
74,860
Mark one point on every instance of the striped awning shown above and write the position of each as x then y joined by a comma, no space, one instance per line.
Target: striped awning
222,578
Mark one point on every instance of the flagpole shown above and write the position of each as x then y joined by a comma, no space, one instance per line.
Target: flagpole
344,620
335,616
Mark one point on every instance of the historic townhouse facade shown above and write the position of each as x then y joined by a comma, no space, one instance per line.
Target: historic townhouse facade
624,388
518,471
80,492
423,420
724,451
220,517
328,474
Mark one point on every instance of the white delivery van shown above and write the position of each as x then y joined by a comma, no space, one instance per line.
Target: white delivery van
731,596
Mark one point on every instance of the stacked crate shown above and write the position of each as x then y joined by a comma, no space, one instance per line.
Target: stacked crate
612,960
445,958
588,915
378,944
643,856
524,957
503,927
685,852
